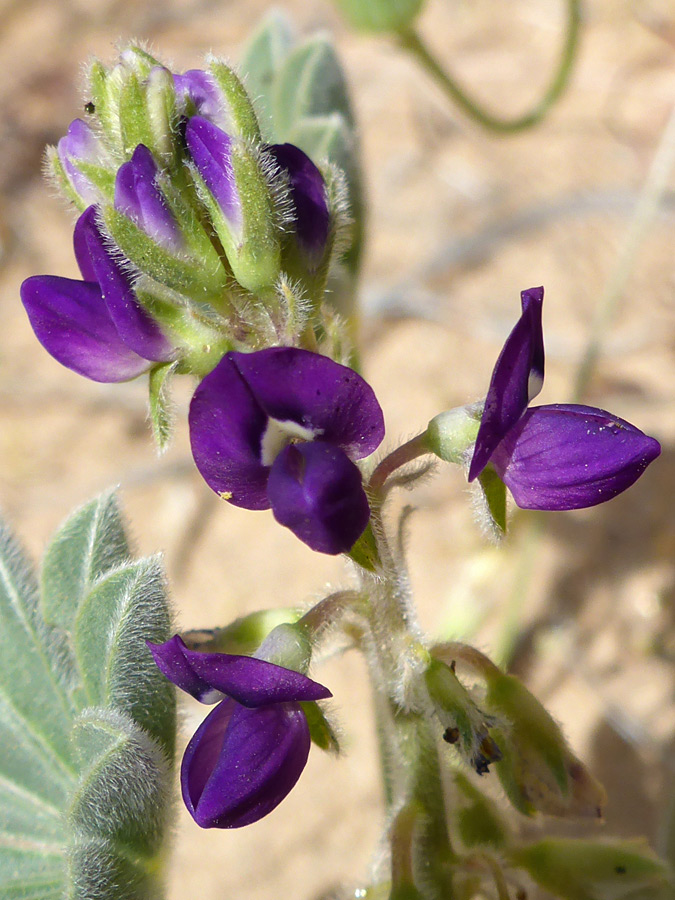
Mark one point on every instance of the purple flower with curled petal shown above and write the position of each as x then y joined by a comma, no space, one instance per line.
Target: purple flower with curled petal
281,428
562,456
95,327
249,752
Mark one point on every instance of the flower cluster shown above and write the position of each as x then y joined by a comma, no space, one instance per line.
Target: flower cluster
561,456
251,749
195,236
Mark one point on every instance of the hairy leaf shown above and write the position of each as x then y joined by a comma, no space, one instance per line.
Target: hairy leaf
87,723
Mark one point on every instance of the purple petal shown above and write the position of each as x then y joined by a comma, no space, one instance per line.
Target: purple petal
570,457
241,763
135,326
250,681
211,151
137,196
79,143
73,324
308,193
331,400
226,428
516,378
197,86
316,491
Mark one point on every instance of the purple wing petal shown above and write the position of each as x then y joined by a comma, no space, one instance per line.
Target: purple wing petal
570,457
211,151
516,378
73,324
316,491
137,196
241,763
316,392
226,428
136,327
250,681
308,193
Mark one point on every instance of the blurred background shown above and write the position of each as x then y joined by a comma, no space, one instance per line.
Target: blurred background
459,221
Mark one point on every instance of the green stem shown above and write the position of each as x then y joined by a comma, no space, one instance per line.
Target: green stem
645,211
411,41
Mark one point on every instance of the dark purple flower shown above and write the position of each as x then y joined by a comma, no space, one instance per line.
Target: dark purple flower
95,327
249,752
80,144
280,428
139,198
308,195
552,457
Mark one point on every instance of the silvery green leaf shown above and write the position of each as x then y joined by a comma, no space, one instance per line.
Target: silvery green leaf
86,737
262,59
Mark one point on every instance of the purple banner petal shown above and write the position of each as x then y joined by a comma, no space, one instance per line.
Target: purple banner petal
137,196
570,457
331,400
518,370
317,492
226,429
241,763
250,681
211,151
73,324
135,326
308,193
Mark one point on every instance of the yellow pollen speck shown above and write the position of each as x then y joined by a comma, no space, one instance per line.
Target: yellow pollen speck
225,495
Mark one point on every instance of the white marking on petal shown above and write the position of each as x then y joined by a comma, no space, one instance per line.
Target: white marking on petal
280,434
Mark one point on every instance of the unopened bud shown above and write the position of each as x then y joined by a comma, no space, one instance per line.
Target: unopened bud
538,771
576,869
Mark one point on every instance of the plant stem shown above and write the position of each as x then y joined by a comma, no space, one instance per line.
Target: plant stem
411,41
411,450
645,211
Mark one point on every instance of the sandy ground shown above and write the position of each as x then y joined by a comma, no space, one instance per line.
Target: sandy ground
460,221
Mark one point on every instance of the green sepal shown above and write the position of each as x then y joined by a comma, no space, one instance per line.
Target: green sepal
365,552
103,179
133,115
161,407
577,869
244,635
186,277
106,111
55,170
162,116
478,820
380,15
449,695
253,246
494,493
321,731
451,434
242,117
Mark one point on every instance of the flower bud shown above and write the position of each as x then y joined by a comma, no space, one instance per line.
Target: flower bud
380,15
79,164
538,771
231,183
577,869
138,197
